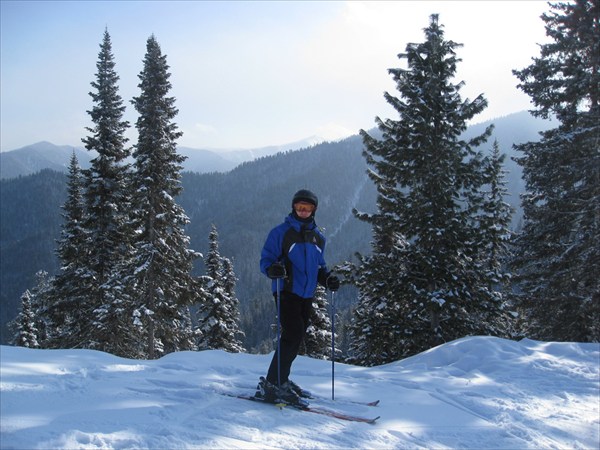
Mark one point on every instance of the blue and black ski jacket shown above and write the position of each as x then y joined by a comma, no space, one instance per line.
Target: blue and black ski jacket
299,246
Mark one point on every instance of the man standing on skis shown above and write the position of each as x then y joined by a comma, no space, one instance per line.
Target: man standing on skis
293,258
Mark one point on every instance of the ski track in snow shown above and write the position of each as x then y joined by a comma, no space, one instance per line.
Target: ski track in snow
352,203
473,393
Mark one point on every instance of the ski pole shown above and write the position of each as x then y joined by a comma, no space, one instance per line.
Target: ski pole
332,345
278,336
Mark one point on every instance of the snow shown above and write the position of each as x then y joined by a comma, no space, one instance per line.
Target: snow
476,392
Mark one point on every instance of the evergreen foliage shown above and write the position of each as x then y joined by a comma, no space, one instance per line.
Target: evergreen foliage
30,222
32,325
438,264
558,257
427,281
67,300
29,227
162,281
108,245
218,315
26,333
317,341
496,216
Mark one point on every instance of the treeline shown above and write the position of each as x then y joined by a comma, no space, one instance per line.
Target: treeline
125,283
443,261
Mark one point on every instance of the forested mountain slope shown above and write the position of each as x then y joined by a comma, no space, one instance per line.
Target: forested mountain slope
244,204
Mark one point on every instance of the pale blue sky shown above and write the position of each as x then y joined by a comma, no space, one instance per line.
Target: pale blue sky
249,74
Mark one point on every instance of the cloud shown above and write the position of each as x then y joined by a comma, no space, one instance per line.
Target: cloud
333,131
194,133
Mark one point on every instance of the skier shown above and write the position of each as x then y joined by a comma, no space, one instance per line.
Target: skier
293,258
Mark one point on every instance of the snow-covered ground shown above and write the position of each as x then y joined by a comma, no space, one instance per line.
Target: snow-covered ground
477,392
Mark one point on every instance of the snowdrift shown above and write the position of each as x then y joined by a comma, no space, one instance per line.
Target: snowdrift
476,392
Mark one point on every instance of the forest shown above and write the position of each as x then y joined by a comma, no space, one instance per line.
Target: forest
415,211
30,227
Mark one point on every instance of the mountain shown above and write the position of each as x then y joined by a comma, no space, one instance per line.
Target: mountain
204,161
510,130
240,156
45,155
244,203
472,393
42,155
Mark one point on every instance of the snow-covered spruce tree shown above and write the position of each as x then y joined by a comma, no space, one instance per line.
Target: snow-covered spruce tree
69,309
496,216
107,220
425,282
558,255
26,333
163,286
377,328
38,297
218,315
317,341
229,283
495,219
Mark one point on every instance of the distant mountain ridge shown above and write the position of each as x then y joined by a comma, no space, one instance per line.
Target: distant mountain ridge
41,155
46,155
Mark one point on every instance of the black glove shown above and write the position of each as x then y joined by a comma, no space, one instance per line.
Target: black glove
276,270
332,283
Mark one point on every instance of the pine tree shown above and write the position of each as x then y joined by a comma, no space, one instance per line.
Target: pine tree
39,303
107,224
496,216
377,328
218,315
234,320
68,308
425,282
317,341
495,240
163,261
558,256
26,334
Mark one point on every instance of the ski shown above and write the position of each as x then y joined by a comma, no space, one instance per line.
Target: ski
352,402
313,409
319,398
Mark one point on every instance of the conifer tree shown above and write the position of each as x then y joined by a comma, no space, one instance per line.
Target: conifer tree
558,255
218,315
496,238
26,333
425,282
317,341
234,319
107,220
496,216
163,261
377,327
39,302
68,307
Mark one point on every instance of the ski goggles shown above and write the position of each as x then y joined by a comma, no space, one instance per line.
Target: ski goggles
304,207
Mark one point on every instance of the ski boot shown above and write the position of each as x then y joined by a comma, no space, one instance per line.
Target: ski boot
302,393
270,393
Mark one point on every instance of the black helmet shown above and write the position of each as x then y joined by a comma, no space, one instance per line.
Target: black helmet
304,195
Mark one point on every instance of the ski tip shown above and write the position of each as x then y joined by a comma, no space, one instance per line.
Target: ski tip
375,403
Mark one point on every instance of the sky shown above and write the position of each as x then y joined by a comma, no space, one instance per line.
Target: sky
248,74
473,393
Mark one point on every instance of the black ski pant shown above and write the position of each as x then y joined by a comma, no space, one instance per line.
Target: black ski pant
295,316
